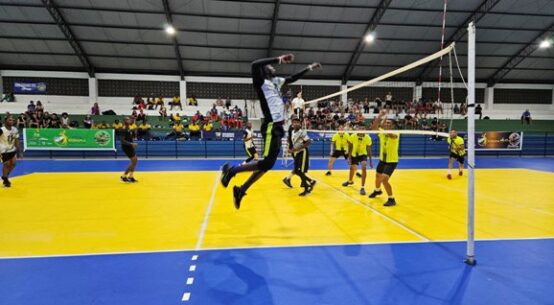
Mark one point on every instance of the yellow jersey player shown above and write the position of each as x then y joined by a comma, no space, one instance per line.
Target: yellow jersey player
388,156
457,153
359,146
339,148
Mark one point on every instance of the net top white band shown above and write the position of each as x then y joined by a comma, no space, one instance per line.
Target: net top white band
408,132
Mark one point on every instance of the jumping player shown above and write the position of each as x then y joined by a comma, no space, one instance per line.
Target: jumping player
268,87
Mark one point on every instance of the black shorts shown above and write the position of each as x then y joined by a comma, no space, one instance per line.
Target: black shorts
458,158
339,153
8,156
386,168
129,151
250,151
356,160
272,134
299,112
302,161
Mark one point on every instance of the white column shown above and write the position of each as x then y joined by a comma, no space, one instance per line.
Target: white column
344,96
183,91
92,90
489,98
418,92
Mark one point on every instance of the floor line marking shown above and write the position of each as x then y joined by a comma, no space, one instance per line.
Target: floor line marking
192,268
207,214
194,257
369,243
186,297
190,281
358,202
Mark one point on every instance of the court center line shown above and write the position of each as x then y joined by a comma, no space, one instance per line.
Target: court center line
207,214
358,202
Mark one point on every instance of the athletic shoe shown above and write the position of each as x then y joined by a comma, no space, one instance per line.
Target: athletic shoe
391,202
305,192
358,175
449,177
328,173
312,185
124,179
286,181
347,183
460,173
362,191
132,179
6,182
237,196
375,194
226,175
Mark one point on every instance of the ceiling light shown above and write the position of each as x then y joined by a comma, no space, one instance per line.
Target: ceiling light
545,44
369,37
170,30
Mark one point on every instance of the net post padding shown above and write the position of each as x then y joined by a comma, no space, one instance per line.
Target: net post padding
388,75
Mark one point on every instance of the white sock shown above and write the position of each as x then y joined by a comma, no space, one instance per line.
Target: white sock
289,176
450,171
378,189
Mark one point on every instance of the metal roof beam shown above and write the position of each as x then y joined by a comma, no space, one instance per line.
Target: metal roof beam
372,24
273,26
169,19
515,60
483,8
71,39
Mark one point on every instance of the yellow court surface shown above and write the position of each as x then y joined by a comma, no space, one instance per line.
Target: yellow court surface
80,213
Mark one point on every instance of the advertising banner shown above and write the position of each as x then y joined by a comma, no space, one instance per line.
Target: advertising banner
29,87
68,139
499,140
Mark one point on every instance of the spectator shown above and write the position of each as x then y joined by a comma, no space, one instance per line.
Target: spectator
34,122
192,101
228,103
141,116
219,102
95,110
143,132
209,126
55,121
21,121
177,132
150,103
88,122
437,107
526,117
463,109
39,107
175,117
31,107
159,101
456,109
102,125
176,102
194,130
117,126
479,111
388,101
8,97
65,119
163,113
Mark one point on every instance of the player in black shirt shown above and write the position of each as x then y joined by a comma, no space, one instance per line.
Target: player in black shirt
126,136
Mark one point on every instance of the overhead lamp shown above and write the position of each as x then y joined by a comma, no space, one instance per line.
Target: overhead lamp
369,38
545,44
170,30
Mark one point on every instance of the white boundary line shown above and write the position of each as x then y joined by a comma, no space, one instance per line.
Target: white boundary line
275,247
392,220
207,214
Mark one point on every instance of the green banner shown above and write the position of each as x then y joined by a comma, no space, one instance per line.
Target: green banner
68,139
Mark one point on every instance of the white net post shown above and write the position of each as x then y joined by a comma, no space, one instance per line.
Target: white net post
470,256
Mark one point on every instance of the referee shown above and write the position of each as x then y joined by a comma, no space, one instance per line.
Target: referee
388,156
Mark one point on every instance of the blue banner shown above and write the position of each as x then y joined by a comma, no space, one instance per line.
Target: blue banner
29,87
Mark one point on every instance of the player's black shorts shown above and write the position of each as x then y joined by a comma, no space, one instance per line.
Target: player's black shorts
339,153
299,112
129,151
250,151
386,168
356,160
302,161
8,156
272,133
457,158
